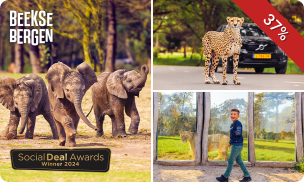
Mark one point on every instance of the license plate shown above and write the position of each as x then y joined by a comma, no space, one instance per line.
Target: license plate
261,56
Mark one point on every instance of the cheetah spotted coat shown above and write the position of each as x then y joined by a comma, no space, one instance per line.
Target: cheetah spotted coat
223,45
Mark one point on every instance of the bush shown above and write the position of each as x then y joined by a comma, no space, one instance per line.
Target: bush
155,53
300,167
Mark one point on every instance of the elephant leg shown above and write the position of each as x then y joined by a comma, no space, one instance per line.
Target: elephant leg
13,125
61,133
5,132
29,134
132,112
74,117
99,121
49,118
68,127
114,125
118,121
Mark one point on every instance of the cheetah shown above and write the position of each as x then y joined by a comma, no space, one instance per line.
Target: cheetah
223,45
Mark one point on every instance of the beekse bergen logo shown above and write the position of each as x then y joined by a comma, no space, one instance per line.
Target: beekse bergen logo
31,36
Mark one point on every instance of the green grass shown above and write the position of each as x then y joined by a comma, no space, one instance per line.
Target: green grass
213,155
292,68
19,75
172,148
177,59
8,174
269,150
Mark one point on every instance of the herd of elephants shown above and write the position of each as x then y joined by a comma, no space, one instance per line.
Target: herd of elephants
60,102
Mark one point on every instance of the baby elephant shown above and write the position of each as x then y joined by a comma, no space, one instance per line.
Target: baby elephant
26,98
66,90
114,93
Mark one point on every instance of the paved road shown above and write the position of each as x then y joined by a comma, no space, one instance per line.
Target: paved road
192,78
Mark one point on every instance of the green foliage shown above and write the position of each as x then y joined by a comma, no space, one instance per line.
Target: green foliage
292,68
188,20
9,174
177,59
300,167
172,148
177,112
269,150
155,53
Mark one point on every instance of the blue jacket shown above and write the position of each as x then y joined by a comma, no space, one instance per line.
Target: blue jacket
236,133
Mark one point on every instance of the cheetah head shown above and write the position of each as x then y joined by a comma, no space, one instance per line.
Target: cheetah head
235,22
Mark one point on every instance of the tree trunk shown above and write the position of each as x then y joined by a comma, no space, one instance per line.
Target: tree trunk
200,61
86,39
277,123
185,52
127,45
157,42
98,41
12,54
34,59
111,38
2,53
1,42
19,53
193,46
19,60
149,65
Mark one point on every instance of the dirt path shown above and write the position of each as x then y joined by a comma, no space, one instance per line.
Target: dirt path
209,173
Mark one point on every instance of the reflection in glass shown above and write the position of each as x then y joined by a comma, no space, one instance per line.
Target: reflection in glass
274,126
219,126
176,126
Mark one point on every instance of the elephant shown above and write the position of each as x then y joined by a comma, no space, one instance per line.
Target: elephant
114,93
26,98
66,90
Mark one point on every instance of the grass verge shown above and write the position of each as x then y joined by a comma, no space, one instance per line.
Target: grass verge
172,148
177,59
8,174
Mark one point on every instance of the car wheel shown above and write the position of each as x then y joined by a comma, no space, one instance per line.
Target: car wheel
259,70
281,70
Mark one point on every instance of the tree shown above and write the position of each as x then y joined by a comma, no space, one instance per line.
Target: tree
111,38
220,114
2,40
259,114
274,100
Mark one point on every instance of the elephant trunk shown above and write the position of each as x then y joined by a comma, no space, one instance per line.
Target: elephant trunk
77,104
24,119
142,80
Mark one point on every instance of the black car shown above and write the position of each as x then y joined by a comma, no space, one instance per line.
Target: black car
258,51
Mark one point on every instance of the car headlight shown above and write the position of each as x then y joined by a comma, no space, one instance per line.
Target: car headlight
244,51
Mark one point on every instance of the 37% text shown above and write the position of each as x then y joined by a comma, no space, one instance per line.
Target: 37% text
283,29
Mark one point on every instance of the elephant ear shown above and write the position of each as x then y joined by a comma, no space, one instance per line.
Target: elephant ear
55,76
88,73
37,92
7,86
114,84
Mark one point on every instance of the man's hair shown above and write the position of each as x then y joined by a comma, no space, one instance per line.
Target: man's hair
236,110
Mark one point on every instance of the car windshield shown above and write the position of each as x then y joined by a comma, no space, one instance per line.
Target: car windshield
250,30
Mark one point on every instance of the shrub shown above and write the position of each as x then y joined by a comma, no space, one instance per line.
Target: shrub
300,167
155,53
